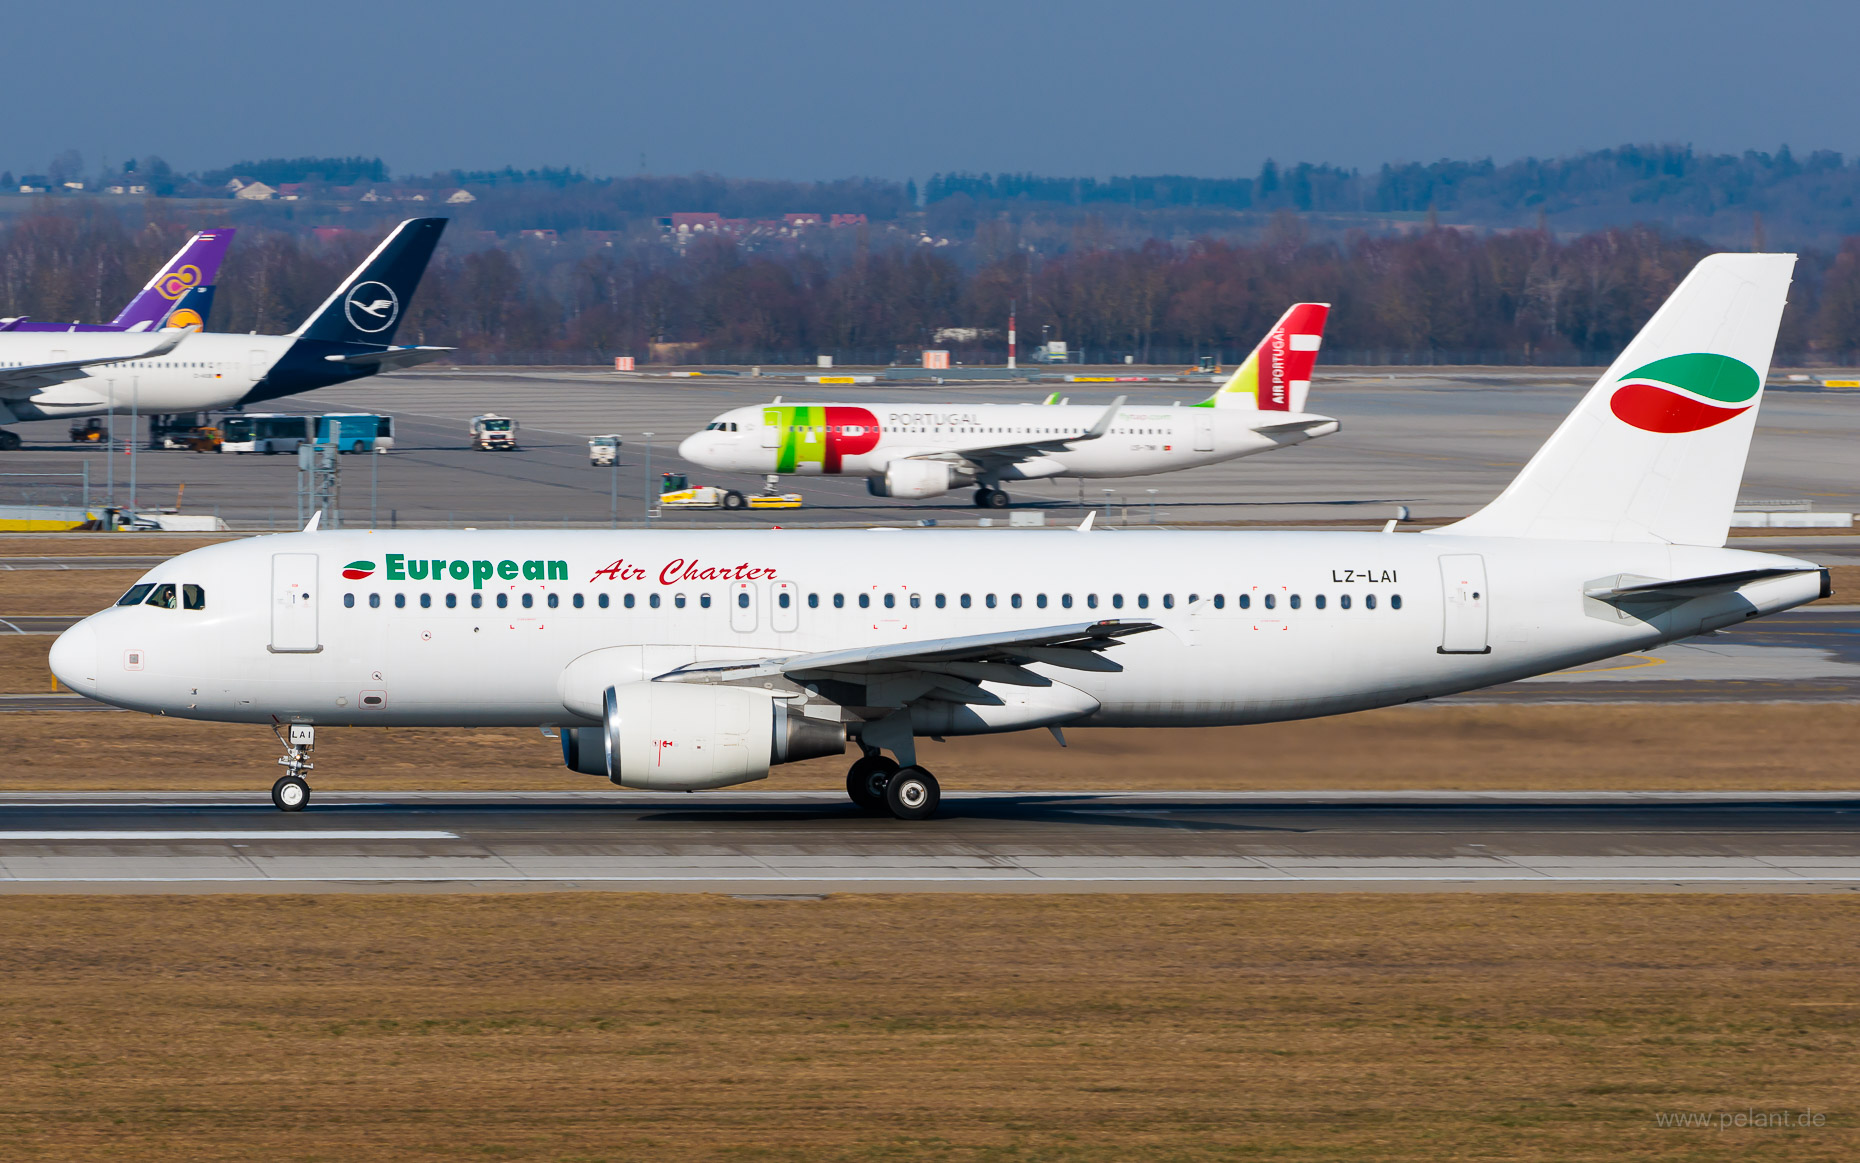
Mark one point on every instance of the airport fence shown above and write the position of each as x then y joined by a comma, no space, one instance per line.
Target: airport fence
1093,356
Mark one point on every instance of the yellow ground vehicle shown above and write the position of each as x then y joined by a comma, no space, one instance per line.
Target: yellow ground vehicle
90,431
677,493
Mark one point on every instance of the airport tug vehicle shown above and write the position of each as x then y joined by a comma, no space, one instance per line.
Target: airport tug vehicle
678,660
604,450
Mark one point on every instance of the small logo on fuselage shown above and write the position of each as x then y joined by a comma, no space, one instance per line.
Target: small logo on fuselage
357,570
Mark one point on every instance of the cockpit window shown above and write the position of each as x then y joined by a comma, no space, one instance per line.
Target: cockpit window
193,598
163,596
136,594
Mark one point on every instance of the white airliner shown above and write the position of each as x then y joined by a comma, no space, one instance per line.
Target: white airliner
683,660
53,375
912,449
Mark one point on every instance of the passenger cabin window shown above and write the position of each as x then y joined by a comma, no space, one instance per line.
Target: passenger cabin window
839,601
1271,601
374,601
1296,601
529,600
348,601
400,601
477,601
1369,601
1246,600
891,600
1220,601
704,600
865,600
1395,601
136,594
653,601
576,601
452,601
1343,601
503,600
1169,601
1318,601
555,600
426,601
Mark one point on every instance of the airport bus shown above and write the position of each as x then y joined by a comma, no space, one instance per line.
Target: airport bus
355,431
266,432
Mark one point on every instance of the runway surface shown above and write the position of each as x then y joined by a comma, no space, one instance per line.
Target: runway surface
1440,441
783,843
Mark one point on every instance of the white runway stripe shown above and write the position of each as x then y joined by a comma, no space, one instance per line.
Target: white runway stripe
280,834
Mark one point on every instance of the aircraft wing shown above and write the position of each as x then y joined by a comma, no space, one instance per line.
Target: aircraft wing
18,382
391,358
1027,449
942,668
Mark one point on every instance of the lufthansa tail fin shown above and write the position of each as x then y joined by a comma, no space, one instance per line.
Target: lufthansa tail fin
1277,376
1655,451
368,306
194,266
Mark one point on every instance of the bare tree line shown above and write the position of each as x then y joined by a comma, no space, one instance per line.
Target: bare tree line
1427,294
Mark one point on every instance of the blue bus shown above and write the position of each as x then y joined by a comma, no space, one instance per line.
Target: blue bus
355,431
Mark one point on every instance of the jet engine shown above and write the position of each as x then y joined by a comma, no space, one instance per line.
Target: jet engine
915,478
663,736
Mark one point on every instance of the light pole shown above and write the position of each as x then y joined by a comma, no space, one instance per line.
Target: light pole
648,463
613,491
109,452
374,477
135,427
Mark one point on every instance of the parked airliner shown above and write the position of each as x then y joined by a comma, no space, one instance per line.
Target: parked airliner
681,660
913,449
53,375
180,294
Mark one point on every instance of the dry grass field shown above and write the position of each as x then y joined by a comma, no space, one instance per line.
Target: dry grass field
613,1027
1695,747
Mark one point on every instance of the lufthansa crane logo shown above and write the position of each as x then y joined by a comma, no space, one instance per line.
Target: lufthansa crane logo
371,307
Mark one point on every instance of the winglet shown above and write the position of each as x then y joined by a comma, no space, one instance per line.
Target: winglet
1104,422
1052,399
1085,525
315,519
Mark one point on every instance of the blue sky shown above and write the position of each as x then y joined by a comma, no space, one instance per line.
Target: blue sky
826,88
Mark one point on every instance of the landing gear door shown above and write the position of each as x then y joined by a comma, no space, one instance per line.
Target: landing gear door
1462,583
743,607
1204,429
293,604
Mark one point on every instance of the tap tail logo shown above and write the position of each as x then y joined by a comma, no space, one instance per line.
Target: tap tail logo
1685,393
357,570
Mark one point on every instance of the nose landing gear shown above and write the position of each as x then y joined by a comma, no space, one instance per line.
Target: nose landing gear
292,791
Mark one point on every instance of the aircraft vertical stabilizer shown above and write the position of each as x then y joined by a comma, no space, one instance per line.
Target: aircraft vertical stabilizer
196,265
1655,451
1277,376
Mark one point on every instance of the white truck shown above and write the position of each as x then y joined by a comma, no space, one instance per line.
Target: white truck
604,450
493,433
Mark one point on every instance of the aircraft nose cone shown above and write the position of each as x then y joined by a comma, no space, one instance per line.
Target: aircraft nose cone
74,658
692,448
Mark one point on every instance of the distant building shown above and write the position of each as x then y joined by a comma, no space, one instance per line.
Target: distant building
255,192
291,191
372,196
538,235
74,185
330,233
794,220
842,221
692,223
459,198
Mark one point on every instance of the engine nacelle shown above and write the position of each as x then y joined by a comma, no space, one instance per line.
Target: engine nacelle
664,736
915,479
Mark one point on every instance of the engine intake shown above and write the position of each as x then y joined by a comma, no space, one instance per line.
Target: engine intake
914,478
677,737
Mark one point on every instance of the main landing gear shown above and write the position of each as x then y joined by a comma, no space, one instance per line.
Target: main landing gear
9,441
987,498
877,784
292,791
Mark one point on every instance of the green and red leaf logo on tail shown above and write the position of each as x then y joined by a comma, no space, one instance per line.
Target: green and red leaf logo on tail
1685,393
357,570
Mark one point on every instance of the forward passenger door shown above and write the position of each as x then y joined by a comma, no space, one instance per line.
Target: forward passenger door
293,604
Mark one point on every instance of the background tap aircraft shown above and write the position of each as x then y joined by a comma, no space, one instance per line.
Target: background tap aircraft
180,295
53,375
682,660
918,450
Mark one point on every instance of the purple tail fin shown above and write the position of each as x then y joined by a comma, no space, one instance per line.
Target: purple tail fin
197,265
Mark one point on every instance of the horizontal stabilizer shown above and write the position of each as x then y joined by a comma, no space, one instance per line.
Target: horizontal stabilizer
393,357
1622,589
